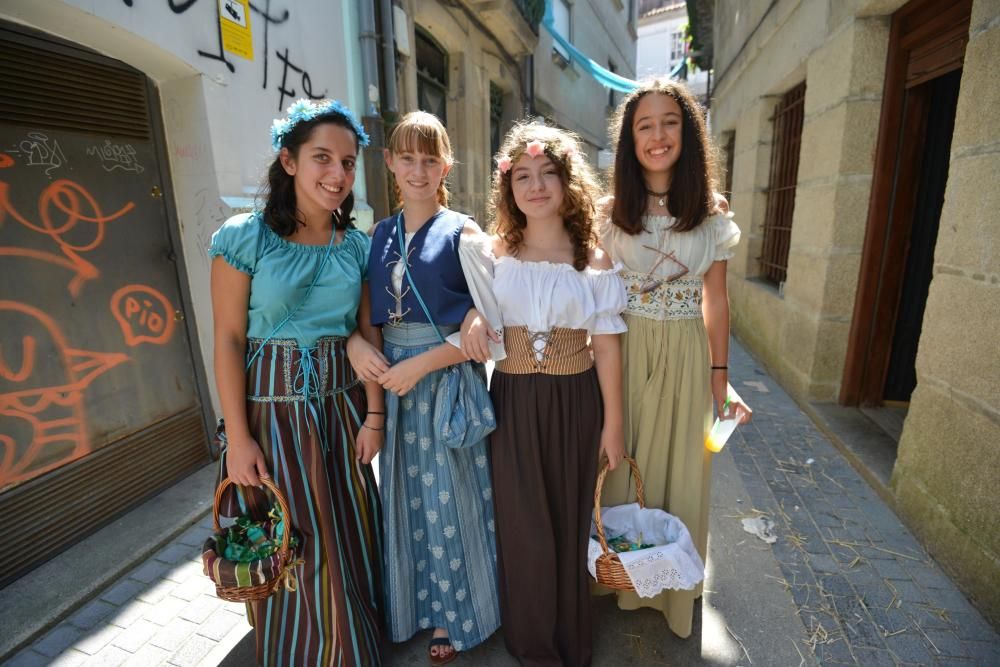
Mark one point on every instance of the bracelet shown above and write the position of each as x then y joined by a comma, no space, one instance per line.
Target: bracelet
373,412
720,368
372,428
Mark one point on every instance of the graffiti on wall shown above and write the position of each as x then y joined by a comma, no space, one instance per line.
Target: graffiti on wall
44,376
295,80
114,156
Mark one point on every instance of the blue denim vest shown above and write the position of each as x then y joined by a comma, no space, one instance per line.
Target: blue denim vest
434,266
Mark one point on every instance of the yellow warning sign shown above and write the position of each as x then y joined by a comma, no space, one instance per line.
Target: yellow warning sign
234,19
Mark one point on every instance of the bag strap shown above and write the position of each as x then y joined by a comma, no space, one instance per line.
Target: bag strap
406,270
305,297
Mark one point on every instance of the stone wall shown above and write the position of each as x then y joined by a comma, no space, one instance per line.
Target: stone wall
947,473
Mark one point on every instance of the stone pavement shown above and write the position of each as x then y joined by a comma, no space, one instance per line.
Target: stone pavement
845,582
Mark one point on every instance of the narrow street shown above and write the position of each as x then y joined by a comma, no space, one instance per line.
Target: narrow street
845,582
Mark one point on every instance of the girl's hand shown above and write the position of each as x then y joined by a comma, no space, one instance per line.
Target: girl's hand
613,445
720,391
404,376
476,334
245,463
368,363
370,439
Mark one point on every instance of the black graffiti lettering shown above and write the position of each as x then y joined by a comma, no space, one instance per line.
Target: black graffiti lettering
268,20
283,91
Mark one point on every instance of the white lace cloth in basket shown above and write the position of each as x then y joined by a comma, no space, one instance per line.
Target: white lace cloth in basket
673,564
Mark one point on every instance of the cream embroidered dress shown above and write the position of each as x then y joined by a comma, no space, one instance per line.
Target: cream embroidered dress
667,385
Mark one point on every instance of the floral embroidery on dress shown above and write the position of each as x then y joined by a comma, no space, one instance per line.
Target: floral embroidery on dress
676,300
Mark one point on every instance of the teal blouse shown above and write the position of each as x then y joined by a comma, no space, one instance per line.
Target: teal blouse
280,274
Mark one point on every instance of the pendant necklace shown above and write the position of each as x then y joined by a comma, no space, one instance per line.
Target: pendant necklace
662,201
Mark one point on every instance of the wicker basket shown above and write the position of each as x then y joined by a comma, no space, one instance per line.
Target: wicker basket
275,569
610,571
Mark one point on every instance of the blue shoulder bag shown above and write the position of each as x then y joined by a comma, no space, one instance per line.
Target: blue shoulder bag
463,412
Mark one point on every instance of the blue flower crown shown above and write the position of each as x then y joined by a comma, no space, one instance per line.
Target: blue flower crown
304,109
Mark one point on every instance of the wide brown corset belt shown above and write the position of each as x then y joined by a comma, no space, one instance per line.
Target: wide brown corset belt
554,352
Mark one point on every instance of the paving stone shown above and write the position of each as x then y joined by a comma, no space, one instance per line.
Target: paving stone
928,576
171,636
57,640
96,640
69,658
165,610
123,591
864,633
823,564
862,576
928,616
201,608
155,592
836,652
909,591
909,646
193,588
192,651
219,624
946,642
868,657
969,626
890,569
184,572
109,656
889,621
130,613
91,614
133,638
149,571
835,584
950,598
146,656
985,653
176,552
194,536
28,658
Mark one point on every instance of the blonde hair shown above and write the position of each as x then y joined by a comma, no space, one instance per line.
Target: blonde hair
580,188
422,132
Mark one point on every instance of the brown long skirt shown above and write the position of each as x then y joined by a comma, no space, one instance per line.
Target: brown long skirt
544,454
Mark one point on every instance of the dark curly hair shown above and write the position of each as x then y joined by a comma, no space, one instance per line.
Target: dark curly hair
580,189
691,195
278,191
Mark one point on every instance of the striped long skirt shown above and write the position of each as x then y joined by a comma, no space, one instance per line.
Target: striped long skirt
332,617
440,548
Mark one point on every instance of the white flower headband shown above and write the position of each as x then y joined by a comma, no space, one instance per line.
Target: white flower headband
304,109
533,149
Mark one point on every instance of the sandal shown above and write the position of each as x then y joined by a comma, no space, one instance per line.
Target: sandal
445,653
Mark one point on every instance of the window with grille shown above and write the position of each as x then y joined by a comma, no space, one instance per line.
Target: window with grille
787,123
432,77
496,116
561,23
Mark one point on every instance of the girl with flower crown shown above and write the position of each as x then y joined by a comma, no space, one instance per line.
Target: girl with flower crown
557,394
440,550
668,229
287,290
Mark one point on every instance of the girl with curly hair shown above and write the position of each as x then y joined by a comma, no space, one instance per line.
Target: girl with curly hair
557,394
669,230
440,549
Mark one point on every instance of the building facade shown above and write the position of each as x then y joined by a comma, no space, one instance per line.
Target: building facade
128,133
662,43
861,143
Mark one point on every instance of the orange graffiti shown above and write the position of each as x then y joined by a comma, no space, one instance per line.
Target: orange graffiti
6,161
43,425
144,315
66,198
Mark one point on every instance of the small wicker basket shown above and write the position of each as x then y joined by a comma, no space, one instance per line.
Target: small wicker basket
276,569
610,571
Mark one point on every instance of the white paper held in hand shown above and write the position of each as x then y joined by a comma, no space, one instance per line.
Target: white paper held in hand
722,429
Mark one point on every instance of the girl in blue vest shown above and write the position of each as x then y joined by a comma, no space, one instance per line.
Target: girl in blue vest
440,552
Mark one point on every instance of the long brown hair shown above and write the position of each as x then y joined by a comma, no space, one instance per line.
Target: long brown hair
580,189
691,197
422,132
